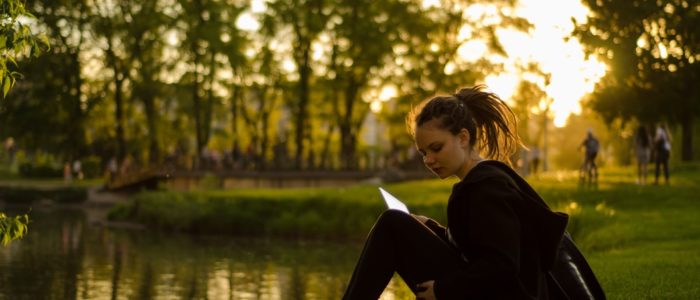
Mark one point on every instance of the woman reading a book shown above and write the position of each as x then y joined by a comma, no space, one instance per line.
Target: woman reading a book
500,239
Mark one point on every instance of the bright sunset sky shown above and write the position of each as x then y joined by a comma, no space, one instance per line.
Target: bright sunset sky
573,75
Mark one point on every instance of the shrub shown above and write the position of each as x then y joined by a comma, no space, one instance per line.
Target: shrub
32,170
92,166
25,195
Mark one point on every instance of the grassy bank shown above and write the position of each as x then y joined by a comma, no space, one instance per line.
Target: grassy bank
342,212
642,241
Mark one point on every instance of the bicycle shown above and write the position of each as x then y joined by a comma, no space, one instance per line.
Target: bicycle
589,170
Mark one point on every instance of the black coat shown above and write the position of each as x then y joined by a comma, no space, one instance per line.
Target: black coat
506,232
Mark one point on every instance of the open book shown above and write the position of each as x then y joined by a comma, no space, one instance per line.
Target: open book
393,202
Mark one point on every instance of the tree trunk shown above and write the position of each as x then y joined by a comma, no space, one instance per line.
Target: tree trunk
196,101
690,96
78,136
236,147
300,120
152,123
119,116
264,141
113,62
348,138
325,153
209,105
266,103
687,137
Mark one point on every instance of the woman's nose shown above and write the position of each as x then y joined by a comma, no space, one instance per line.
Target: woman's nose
428,159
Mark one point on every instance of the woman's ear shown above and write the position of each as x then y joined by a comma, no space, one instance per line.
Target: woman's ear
463,138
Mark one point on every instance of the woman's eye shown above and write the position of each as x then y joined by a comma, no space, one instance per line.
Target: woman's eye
436,149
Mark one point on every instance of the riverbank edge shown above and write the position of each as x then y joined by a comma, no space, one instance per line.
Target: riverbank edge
90,197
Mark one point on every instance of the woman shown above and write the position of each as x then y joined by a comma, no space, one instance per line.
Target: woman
500,239
642,147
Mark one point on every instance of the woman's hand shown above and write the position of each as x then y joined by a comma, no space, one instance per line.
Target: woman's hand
422,219
426,291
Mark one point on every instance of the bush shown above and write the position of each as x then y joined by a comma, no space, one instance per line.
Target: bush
19,195
92,167
38,165
25,195
303,214
32,170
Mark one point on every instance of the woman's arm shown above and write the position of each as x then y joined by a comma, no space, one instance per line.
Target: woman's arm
434,226
492,243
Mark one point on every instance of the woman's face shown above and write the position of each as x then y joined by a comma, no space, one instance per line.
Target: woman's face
444,153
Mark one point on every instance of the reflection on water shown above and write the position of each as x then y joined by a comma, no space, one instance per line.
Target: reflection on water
66,256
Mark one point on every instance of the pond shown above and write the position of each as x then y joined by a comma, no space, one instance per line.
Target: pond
69,255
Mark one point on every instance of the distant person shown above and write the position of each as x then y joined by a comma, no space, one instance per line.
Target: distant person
642,149
523,162
10,149
126,166
535,157
591,146
236,157
251,156
501,238
67,172
78,169
112,168
662,147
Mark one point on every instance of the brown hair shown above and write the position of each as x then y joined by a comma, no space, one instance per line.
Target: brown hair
487,118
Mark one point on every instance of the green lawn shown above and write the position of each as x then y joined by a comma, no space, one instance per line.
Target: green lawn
643,242
649,246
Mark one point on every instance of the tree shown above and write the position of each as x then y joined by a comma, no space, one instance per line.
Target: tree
233,45
144,43
427,58
652,48
306,19
108,25
48,110
356,65
194,25
15,39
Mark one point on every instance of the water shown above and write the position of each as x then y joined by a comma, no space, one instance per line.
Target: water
67,255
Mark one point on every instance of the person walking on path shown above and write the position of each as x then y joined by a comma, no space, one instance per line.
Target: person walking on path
501,238
78,169
662,148
642,149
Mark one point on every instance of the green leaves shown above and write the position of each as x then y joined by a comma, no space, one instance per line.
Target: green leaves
16,40
12,228
7,83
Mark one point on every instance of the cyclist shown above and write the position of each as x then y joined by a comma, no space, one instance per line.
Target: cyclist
591,145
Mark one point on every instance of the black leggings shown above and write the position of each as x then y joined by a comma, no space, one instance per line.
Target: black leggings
398,242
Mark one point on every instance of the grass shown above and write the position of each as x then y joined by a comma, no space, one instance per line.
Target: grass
643,242
650,247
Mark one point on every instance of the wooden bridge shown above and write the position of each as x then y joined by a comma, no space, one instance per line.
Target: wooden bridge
143,179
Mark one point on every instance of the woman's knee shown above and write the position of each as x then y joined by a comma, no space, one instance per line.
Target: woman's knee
393,218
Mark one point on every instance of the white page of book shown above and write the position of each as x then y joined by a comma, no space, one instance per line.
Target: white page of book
393,202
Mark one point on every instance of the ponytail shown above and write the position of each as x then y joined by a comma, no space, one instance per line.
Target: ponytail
488,119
